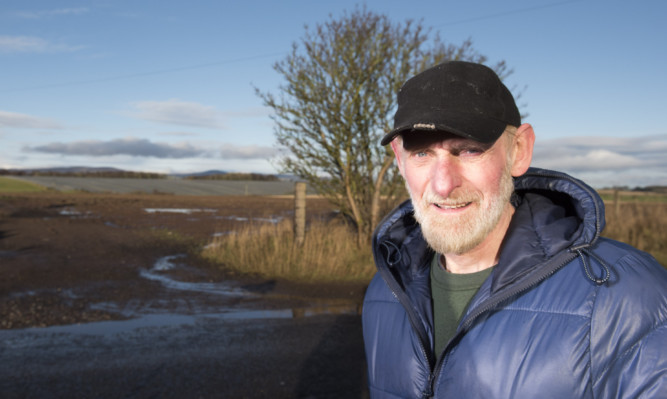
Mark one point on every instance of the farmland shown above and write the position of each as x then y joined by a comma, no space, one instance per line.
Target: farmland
173,186
118,291
9,185
105,250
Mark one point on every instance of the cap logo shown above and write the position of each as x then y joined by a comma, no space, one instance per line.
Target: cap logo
429,126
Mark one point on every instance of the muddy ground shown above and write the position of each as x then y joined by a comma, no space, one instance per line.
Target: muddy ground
102,296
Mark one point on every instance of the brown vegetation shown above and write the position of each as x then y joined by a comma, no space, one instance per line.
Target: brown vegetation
85,173
62,254
642,224
329,252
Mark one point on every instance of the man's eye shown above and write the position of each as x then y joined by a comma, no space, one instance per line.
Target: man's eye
472,151
420,154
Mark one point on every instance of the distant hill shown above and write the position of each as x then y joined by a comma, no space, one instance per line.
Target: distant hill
197,174
63,170
86,171
82,171
235,176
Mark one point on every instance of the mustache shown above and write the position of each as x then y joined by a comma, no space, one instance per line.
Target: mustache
455,198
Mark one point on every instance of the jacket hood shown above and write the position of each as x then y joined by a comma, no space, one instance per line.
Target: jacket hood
554,213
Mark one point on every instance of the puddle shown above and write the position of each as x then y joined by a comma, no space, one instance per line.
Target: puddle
168,263
185,211
145,318
69,212
166,320
234,218
73,213
272,219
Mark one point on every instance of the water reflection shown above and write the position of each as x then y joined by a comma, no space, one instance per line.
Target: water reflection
185,211
167,263
114,327
138,318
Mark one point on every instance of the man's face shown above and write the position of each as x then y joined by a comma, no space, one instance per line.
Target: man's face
460,188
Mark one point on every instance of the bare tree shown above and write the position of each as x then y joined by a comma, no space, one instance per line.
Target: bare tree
338,99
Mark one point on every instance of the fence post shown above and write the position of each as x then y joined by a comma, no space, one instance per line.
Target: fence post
299,213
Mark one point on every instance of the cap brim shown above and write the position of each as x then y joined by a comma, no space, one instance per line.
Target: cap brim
490,131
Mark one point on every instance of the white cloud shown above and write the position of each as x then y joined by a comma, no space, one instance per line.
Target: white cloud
50,13
136,147
32,44
598,159
130,146
607,161
16,120
178,112
247,152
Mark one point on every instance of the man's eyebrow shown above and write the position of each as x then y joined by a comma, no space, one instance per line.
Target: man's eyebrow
468,144
456,145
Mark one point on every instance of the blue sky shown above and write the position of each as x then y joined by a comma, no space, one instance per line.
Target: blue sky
168,86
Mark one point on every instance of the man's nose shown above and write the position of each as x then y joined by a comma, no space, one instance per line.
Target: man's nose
446,176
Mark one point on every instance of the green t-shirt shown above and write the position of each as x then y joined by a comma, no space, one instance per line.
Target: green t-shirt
451,293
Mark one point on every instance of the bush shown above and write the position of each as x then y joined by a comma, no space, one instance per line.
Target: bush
329,252
640,224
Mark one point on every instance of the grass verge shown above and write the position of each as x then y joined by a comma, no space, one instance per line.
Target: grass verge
640,224
8,185
329,253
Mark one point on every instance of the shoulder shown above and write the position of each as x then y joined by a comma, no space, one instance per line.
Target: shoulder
637,286
630,312
378,291
629,324
632,270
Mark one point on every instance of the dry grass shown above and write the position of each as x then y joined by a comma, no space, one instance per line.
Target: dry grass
329,252
640,224
9,185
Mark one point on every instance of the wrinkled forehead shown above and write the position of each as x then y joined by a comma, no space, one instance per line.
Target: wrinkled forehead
416,140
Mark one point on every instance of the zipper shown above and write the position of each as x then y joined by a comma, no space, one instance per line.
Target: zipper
405,301
436,366
489,304
416,327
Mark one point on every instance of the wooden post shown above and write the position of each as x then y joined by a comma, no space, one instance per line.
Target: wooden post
617,205
299,213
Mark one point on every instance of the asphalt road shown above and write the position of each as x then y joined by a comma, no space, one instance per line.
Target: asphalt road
275,355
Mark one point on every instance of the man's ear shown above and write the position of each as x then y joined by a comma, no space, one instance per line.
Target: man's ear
397,147
524,140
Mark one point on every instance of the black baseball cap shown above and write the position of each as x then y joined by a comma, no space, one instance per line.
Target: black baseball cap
463,98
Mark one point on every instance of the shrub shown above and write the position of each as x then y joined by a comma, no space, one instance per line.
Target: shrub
640,224
329,252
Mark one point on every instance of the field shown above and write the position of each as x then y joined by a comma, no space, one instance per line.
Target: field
173,186
640,223
170,317
63,254
127,307
10,185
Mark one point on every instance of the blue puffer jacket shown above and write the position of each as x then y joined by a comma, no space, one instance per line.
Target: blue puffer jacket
564,314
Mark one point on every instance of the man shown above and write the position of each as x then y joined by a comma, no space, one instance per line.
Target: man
493,281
